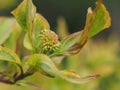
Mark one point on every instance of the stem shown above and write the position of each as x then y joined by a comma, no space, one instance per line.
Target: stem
16,78
22,75
5,81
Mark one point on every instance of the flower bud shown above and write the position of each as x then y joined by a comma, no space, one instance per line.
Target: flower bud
48,42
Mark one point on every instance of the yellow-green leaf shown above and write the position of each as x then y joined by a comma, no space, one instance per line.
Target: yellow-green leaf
6,27
40,23
68,42
24,14
43,63
8,55
27,44
72,44
12,41
98,19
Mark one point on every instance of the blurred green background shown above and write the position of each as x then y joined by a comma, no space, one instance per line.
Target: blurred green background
100,55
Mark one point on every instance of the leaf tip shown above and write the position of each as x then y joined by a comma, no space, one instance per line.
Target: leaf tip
95,76
90,10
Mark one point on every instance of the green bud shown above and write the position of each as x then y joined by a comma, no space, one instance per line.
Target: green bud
48,42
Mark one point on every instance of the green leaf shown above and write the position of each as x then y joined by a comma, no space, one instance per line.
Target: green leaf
12,41
27,43
8,55
44,63
72,44
6,27
40,23
68,42
24,14
98,19
40,62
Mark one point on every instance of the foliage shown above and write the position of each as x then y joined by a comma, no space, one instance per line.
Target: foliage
30,46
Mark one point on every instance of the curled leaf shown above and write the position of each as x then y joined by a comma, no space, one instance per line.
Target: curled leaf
24,14
98,19
75,78
44,63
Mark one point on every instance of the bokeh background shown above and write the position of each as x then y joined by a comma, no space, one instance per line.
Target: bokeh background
100,55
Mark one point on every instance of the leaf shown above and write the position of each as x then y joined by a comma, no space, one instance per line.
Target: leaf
98,19
12,41
71,44
40,23
75,78
68,42
37,61
6,27
24,14
27,43
8,55
41,61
